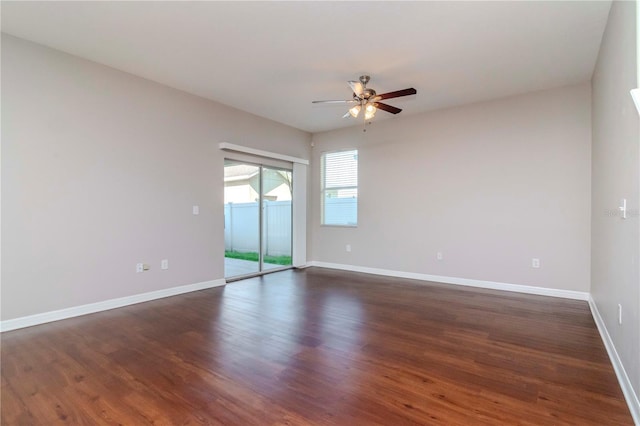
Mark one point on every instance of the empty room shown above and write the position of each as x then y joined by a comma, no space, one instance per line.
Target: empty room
320,213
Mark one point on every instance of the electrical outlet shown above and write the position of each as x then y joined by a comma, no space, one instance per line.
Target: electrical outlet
535,263
139,267
348,248
439,255
164,264
619,314
196,210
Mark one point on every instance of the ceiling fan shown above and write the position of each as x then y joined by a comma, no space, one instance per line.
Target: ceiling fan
367,100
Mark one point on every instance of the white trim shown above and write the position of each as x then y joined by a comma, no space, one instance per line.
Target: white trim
542,291
105,305
623,378
299,215
260,153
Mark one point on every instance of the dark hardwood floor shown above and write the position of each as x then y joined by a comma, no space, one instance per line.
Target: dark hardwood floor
317,346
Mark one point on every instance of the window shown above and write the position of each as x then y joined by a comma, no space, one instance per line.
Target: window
340,188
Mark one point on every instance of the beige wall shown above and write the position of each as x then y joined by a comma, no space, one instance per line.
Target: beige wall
615,172
498,183
100,170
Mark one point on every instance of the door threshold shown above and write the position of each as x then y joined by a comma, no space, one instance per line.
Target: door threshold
256,274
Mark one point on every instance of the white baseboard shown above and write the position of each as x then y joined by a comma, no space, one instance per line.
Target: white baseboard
105,305
623,378
493,285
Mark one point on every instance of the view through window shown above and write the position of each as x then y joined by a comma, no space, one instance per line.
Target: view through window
340,188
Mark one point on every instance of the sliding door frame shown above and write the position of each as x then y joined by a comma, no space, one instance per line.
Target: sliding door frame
261,225
300,199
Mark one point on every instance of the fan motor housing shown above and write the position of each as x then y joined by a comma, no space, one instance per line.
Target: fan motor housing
366,94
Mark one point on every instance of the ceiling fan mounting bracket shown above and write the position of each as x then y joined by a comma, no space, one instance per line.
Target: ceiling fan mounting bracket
364,79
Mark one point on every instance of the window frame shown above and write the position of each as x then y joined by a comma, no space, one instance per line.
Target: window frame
323,188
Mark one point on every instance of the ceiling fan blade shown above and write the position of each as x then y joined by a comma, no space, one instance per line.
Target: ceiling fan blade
397,94
388,108
349,101
357,87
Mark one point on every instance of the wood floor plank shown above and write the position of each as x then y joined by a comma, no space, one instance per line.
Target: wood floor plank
317,347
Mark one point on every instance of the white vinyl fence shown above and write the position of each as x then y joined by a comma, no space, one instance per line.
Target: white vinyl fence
341,211
241,229
241,224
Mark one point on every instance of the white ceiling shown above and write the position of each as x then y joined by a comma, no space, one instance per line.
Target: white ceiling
273,58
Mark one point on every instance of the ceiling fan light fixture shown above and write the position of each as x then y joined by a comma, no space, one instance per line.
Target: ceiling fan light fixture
369,112
355,111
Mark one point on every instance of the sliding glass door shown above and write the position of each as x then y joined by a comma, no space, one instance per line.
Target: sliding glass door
241,218
257,212
276,217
